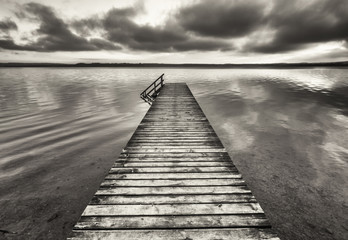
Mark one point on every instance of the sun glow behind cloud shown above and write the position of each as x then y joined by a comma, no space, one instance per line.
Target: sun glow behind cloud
174,31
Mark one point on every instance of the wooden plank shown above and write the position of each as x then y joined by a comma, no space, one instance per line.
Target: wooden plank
169,111
173,209
140,164
174,123
176,130
172,199
172,222
184,127
170,144
203,149
172,183
175,134
172,190
218,175
175,118
167,148
175,144
173,139
173,170
188,234
176,155
168,159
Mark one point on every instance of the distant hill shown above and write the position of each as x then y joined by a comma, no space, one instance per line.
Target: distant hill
185,65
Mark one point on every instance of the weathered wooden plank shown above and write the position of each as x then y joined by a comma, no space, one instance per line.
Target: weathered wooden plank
147,120
170,148
172,209
210,136
174,103
167,107
176,114
174,144
140,164
172,126
173,190
173,183
171,222
175,100
173,139
177,155
203,149
174,132
173,123
172,199
177,136
173,170
174,106
163,115
175,129
172,160
188,234
169,112
217,175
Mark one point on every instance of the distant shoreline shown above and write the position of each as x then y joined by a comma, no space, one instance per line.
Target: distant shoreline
185,65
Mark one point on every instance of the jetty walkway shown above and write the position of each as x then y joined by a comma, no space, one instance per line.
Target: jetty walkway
174,180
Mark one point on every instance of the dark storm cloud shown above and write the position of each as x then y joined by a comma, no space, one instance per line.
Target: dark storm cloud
99,43
9,44
85,27
7,25
118,27
169,37
54,34
222,18
203,45
297,27
201,26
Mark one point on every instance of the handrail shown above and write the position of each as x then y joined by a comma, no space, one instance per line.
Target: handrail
151,92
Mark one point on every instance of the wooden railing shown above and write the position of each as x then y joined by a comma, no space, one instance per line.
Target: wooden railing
151,92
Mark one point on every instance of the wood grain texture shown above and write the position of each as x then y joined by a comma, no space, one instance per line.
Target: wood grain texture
192,234
173,180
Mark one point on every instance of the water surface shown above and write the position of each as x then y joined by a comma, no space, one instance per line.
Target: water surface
285,129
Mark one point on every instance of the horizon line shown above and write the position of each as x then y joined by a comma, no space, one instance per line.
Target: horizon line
126,64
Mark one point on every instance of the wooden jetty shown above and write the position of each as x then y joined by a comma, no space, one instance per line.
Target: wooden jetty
174,180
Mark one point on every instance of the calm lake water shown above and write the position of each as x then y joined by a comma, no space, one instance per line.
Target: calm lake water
285,129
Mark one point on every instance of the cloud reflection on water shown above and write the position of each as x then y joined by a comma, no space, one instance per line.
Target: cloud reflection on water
284,128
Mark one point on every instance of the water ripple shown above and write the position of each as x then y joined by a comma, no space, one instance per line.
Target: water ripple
285,130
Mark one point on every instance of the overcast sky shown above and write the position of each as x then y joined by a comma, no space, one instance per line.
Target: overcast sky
173,31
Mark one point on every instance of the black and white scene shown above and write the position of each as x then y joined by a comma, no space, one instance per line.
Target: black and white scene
174,119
